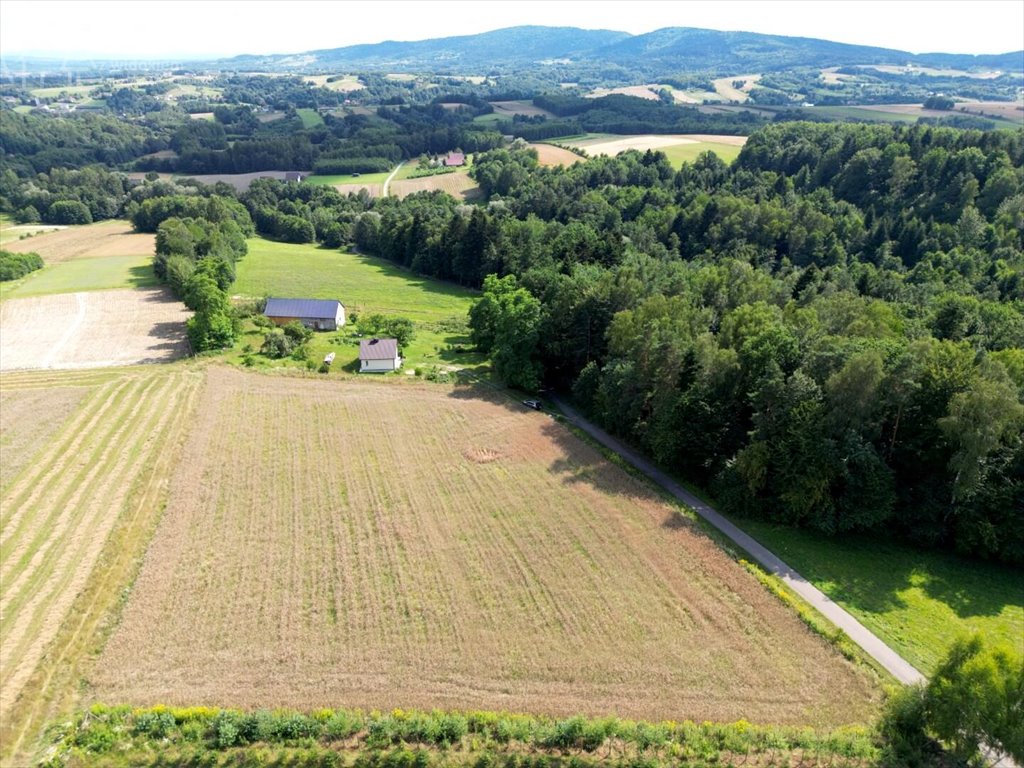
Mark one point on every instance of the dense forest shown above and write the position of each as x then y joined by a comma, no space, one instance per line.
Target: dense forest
828,333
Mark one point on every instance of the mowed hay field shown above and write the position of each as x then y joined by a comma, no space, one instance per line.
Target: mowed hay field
84,458
401,544
92,329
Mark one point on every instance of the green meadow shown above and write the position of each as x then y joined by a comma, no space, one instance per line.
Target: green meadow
310,117
86,274
917,601
365,285
687,153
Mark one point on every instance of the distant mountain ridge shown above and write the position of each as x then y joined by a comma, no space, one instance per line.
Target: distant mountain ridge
679,48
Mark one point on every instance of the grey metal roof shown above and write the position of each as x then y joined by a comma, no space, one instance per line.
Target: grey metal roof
378,349
324,309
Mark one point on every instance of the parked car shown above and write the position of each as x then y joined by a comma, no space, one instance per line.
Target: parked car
535,404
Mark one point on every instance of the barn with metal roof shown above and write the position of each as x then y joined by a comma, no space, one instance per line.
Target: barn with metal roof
318,314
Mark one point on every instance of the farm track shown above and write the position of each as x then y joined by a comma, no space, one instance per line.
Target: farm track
57,517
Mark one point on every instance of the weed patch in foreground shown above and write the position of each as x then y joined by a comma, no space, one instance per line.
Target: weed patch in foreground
116,736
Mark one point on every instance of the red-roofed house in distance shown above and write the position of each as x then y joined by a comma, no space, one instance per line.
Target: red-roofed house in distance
454,159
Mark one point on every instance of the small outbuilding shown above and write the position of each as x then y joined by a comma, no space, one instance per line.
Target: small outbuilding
293,176
379,356
318,314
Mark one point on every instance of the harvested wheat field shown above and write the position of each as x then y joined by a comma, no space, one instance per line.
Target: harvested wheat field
455,184
107,238
92,329
382,544
548,154
88,452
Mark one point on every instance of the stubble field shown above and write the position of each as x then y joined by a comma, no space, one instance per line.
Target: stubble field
403,544
92,329
458,184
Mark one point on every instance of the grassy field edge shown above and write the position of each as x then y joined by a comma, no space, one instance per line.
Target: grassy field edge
120,735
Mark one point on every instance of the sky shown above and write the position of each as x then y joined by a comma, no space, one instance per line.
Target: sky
181,29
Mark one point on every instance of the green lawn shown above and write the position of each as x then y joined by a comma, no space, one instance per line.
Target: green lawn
917,601
86,274
310,117
364,285
687,153
348,178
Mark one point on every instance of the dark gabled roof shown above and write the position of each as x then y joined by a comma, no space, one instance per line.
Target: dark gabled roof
320,309
378,349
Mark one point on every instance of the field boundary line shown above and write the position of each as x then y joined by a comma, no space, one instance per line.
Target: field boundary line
891,661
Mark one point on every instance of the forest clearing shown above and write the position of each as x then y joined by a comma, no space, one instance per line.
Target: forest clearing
328,544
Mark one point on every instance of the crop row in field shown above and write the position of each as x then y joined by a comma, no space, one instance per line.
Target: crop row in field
413,545
95,465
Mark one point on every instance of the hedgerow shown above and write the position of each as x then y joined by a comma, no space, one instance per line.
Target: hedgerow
197,736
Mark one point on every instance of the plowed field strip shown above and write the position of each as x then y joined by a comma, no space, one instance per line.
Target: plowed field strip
52,687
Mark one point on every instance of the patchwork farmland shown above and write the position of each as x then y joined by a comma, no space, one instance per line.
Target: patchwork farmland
329,544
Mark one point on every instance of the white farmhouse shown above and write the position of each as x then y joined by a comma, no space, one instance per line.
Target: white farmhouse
378,356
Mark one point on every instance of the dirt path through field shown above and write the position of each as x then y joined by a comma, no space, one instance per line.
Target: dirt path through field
72,329
387,181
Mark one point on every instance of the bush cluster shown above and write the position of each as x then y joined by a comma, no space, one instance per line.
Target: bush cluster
411,739
15,265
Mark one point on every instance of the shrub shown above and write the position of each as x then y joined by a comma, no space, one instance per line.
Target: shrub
154,723
68,212
15,265
276,345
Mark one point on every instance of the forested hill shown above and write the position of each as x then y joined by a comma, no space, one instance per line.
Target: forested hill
673,49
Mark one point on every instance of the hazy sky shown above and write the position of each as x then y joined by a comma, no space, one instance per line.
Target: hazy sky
191,28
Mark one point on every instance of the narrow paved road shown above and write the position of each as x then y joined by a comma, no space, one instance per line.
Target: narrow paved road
879,651
387,181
